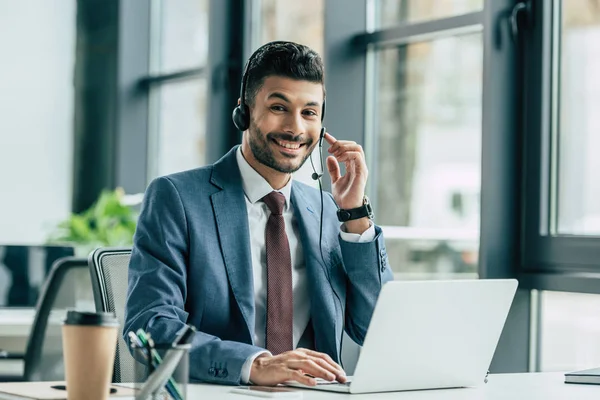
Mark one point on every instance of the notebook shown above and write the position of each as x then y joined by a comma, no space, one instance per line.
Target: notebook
590,376
44,391
429,335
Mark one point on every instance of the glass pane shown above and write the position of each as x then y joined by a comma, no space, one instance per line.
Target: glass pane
297,21
182,125
579,137
422,259
428,145
183,34
396,12
570,331
280,20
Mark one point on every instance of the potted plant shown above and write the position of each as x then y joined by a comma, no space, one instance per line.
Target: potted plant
109,222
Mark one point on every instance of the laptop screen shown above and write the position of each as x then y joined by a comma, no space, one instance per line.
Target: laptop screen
23,270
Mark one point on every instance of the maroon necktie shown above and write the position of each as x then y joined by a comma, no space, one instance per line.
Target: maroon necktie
280,305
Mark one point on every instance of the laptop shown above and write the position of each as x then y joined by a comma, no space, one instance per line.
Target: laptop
429,335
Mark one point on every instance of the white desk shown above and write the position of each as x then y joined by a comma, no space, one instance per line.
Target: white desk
16,322
15,325
543,386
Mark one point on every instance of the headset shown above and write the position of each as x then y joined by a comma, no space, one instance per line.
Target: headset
241,120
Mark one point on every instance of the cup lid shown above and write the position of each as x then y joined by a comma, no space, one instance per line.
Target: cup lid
75,317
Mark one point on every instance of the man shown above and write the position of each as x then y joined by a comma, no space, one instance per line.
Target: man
233,248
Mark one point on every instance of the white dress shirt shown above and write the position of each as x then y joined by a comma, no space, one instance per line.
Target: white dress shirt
255,188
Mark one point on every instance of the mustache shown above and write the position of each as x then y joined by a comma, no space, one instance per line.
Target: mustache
288,137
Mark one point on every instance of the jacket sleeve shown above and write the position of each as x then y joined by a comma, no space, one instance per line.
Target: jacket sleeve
157,288
367,268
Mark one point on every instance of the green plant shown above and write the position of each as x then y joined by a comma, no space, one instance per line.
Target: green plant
108,222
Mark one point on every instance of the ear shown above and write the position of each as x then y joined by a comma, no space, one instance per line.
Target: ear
239,101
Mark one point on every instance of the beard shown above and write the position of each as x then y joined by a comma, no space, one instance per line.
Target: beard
264,154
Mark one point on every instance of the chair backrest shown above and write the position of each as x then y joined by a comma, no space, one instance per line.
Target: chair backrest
68,286
108,268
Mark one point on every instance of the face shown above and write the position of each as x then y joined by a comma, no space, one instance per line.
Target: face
285,122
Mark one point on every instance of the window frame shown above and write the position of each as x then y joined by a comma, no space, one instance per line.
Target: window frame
549,262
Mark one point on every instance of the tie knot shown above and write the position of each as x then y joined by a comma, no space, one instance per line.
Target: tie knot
275,201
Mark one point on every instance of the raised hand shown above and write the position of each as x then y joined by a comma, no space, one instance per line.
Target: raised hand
348,190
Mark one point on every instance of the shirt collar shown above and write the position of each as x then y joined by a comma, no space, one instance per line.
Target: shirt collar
255,186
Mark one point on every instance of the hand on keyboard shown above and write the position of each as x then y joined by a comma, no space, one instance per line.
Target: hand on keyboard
301,365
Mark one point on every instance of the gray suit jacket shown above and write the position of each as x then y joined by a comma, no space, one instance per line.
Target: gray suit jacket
191,264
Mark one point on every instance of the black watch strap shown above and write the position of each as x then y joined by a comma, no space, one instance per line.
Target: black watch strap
355,213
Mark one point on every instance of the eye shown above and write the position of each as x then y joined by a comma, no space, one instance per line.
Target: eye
311,113
277,108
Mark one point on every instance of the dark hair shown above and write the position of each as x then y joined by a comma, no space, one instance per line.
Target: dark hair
284,59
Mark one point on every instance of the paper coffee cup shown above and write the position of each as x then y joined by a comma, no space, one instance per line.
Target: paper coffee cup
89,346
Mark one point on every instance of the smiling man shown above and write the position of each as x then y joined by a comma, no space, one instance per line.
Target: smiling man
233,248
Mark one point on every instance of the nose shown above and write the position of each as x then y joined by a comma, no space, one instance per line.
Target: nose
294,124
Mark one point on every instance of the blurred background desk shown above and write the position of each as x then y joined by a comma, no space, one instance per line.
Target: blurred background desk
23,271
15,326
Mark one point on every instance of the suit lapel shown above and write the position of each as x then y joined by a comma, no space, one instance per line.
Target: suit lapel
323,306
231,217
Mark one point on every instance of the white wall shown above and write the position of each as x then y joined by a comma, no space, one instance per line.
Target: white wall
37,57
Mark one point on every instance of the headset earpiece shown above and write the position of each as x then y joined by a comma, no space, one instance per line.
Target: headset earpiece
241,117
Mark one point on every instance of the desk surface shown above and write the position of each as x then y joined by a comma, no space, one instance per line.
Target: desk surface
16,322
540,386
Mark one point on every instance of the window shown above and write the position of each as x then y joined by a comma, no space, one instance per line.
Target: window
182,121
36,126
296,21
579,126
426,152
394,12
570,330
183,34
561,194
179,87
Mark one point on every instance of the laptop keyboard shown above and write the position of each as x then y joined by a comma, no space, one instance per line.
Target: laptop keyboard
345,384
321,382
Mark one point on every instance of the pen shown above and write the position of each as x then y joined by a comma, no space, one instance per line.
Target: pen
155,358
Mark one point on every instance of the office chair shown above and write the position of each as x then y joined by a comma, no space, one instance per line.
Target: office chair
108,268
68,286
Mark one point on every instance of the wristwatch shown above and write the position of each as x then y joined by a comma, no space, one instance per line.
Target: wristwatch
355,213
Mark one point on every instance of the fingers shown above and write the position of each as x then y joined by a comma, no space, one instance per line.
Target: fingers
312,367
343,146
329,139
334,169
300,377
323,356
350,156
354,161
345,151
325,361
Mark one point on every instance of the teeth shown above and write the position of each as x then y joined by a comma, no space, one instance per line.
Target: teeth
288,145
